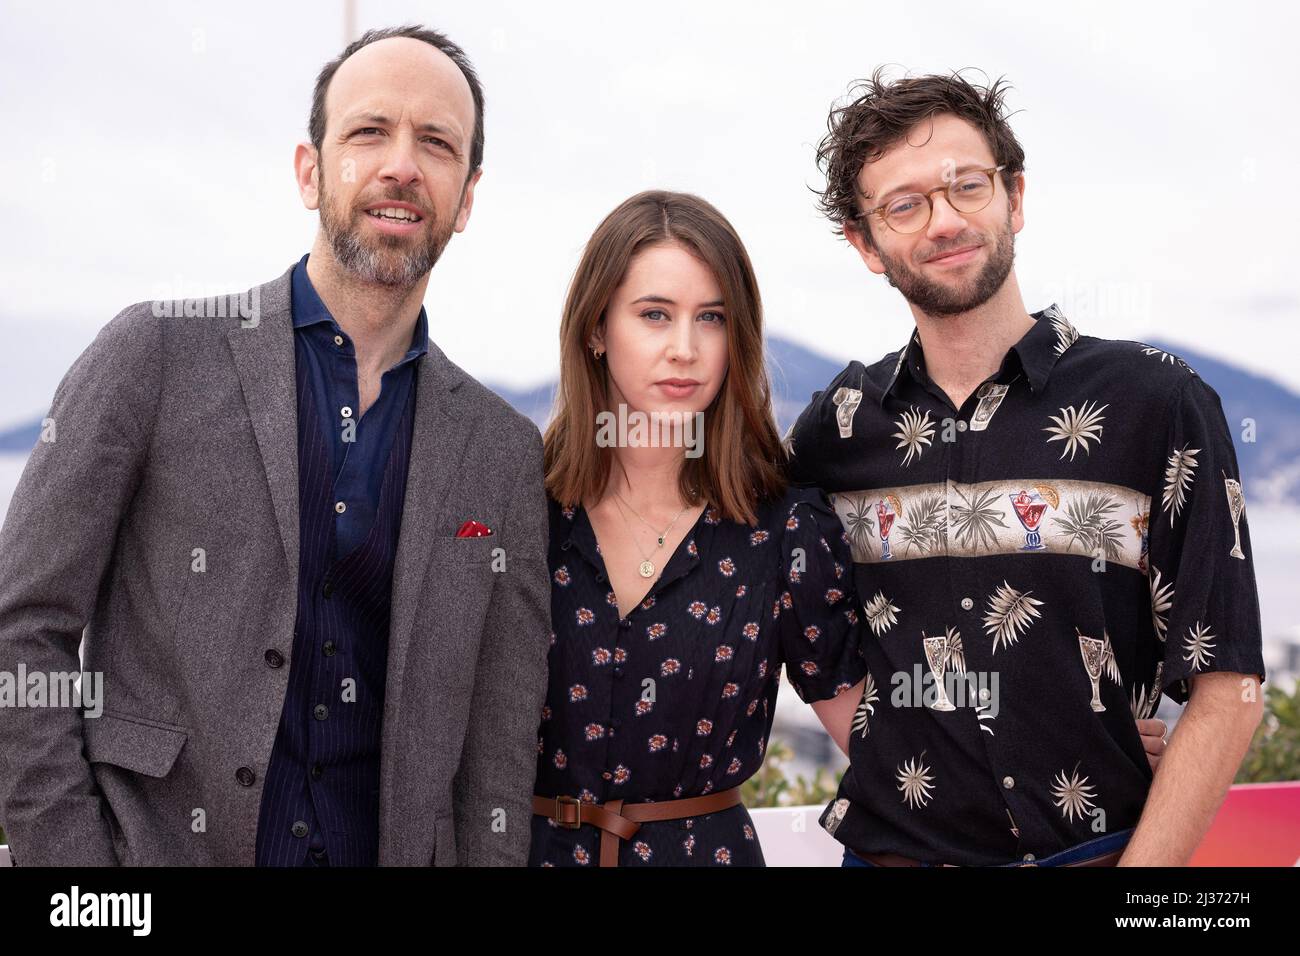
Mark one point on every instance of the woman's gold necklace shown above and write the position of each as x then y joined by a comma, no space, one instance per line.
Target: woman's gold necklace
646,569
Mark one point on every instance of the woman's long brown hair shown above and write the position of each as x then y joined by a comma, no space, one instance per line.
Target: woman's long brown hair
742,461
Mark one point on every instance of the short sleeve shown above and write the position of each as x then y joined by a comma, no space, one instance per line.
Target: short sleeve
1204,604
818,622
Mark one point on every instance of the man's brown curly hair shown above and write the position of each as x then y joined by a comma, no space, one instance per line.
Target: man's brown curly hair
880,113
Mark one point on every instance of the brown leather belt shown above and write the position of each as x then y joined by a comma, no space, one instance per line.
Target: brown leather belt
893,859
620,821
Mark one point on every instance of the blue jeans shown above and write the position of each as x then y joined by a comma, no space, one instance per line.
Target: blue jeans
1082,851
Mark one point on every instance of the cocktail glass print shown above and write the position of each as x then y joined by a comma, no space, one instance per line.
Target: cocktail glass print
1236,505
886,511
1029,507
936,654
1091,649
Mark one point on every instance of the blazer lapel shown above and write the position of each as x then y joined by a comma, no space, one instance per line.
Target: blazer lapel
439,433
264,360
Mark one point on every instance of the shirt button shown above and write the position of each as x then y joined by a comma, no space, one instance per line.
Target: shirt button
274,658
329,648
625,624
1008,782
607,775
340,507
618,671
300,829
346,411
1029,858
967,604
320,712
338,340
600,576
565,546
245,777
317,771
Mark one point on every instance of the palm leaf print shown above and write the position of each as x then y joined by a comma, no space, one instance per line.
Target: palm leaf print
1087,522
953,650
975,520
1077,428
1073,796
984,712
914,430
859,524
1149,350
1179,474
1162,599
881,614
1010,612
1199,645
1066,333
924,524
1109,666
866,706
915,782
1143,704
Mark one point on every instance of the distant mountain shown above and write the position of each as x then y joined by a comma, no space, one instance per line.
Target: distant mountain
1270,465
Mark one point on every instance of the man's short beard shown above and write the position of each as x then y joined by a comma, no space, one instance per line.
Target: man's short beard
382,263
934,298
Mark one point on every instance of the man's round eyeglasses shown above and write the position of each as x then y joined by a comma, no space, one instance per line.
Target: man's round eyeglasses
969,192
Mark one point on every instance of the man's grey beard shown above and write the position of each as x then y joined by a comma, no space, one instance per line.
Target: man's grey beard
377,264
933,298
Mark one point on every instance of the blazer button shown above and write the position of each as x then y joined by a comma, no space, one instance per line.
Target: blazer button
327,589
320,712
329,648
300,829
274,658
245,776
317,771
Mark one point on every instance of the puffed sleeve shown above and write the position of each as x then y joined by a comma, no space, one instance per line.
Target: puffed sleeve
819,624
1200,566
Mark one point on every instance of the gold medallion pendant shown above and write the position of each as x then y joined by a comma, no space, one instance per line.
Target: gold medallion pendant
647,569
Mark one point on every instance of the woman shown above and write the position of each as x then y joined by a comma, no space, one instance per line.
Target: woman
685,572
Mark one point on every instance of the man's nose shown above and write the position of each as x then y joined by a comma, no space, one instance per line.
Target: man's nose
400,166
945,221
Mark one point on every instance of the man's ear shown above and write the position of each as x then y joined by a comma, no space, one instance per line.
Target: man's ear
306,171
467,200
1017,200
857,237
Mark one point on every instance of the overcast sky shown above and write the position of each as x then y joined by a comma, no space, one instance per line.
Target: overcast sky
148,146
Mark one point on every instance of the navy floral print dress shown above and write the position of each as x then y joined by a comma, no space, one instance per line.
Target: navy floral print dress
677,699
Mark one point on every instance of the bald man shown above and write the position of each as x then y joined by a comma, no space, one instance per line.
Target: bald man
305,549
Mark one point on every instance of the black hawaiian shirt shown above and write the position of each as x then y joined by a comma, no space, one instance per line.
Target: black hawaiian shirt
677,698
1034,569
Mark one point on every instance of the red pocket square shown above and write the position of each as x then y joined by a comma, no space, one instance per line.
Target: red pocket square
472,529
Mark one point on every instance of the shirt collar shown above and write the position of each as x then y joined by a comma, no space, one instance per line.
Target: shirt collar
1037,351
309,310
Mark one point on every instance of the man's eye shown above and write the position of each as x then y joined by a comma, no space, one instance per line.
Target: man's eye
902,208
437,142
366,130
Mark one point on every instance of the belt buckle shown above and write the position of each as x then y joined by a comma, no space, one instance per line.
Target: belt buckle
577,812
